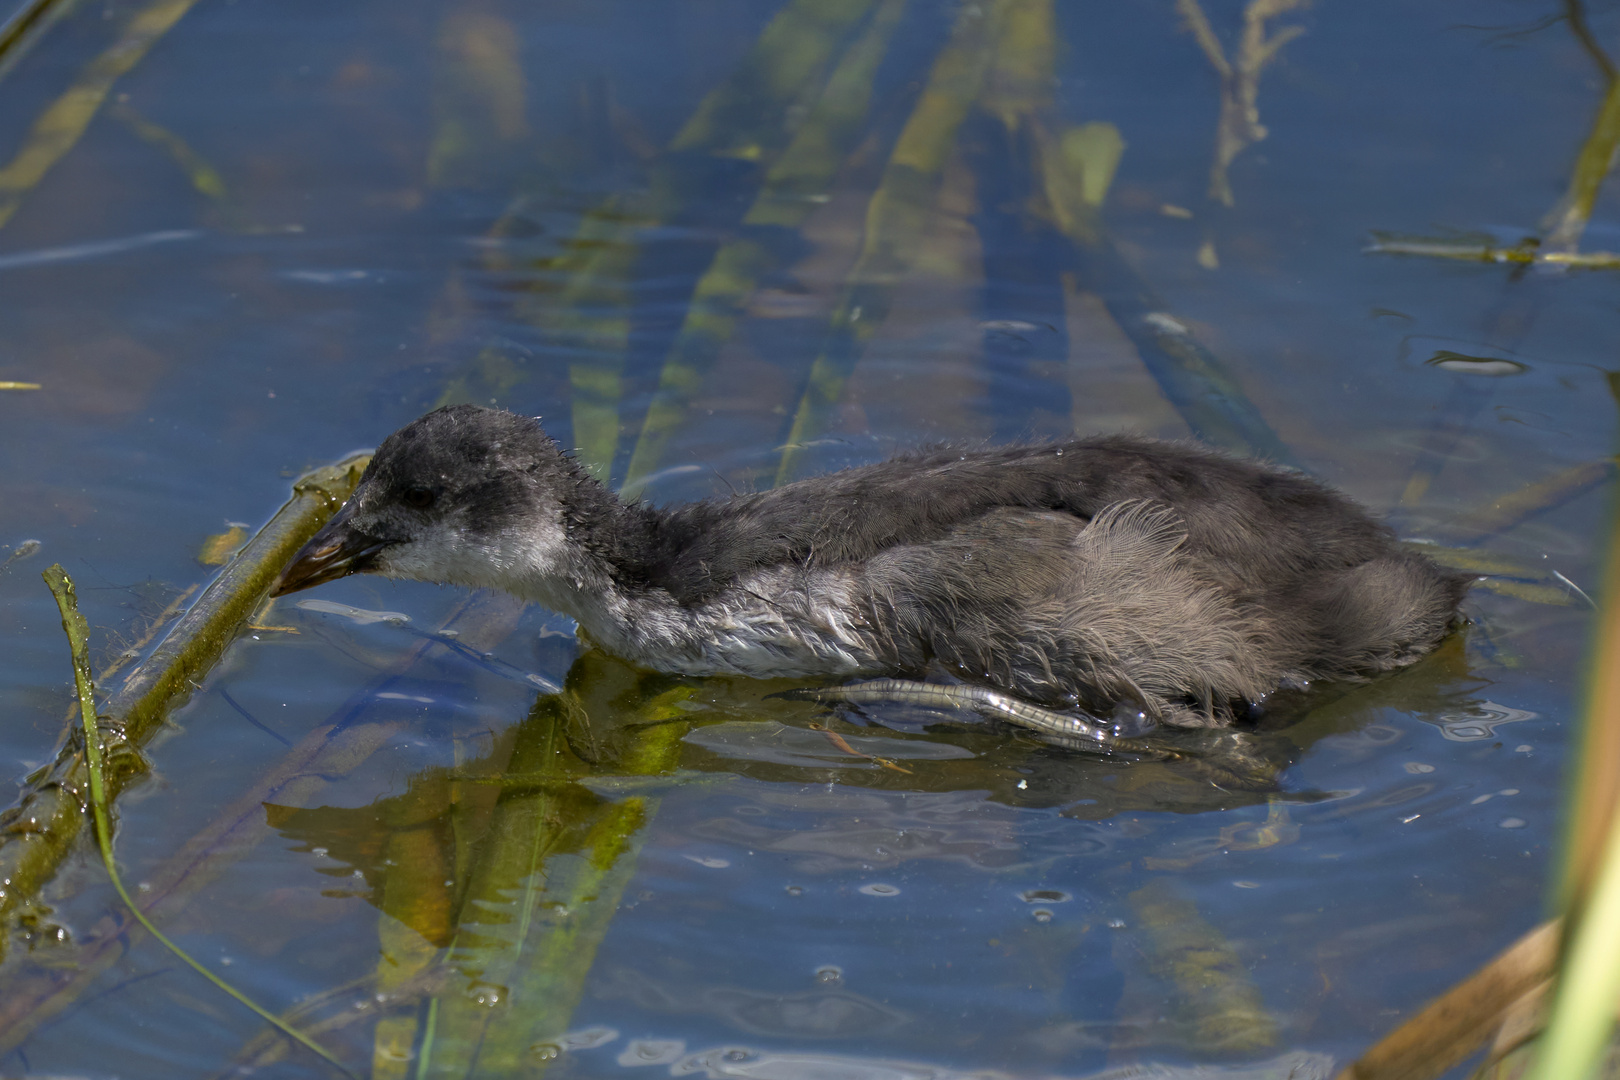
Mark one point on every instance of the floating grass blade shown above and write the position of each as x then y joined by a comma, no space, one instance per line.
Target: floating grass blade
1518,255
78,634
29,858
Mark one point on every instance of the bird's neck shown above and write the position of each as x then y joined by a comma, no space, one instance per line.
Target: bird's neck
603,573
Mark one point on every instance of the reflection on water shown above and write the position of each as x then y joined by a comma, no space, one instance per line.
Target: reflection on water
811,1014
716,246
1481,722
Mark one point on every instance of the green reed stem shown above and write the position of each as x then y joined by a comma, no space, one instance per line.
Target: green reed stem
173,669
1582,1019
78,634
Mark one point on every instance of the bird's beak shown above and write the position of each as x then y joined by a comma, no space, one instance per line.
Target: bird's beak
336,551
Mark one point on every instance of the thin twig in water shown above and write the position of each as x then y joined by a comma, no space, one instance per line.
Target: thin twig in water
843,744
1239,125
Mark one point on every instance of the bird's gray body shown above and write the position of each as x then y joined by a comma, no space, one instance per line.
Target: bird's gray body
1084,574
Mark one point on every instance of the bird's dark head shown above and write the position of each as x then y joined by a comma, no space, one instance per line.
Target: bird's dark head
464,495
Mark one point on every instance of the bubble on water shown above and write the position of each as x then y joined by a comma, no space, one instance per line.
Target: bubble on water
879,889
1418,768
1512,823
487,994
1042,915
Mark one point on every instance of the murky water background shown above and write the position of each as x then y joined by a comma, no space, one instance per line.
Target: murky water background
289,228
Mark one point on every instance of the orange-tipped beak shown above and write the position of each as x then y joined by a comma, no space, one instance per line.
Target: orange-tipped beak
338,550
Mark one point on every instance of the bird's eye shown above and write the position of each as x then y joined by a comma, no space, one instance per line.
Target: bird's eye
419,498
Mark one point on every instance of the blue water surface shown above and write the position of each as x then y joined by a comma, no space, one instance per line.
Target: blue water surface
288,228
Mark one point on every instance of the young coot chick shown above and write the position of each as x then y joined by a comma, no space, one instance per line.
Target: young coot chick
1085,575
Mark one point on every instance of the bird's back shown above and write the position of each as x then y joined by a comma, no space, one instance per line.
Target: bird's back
1260,522
1083,573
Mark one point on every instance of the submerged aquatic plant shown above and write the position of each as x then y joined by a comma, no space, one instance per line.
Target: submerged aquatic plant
78,635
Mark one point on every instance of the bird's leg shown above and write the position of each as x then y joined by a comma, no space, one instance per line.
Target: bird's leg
1074,731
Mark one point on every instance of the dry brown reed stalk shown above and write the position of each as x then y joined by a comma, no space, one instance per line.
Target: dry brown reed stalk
1505,1002
1455,1024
